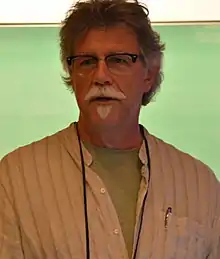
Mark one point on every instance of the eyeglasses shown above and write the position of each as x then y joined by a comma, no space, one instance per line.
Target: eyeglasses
118,63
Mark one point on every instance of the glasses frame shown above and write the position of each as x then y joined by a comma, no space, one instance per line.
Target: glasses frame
133,57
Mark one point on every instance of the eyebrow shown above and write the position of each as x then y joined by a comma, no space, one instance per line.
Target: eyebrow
93,54
86,54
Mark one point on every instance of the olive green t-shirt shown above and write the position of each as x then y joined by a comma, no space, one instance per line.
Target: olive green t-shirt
120,172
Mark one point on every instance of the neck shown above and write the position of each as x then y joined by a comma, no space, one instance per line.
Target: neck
116,137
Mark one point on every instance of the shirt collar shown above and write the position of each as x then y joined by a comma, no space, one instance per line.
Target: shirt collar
72,145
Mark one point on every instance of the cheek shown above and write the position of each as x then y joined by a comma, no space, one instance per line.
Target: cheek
132,87
81,87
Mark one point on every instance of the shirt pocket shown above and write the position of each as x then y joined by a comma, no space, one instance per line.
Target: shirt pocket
183,238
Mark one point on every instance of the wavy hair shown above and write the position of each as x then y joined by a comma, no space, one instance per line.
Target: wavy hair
91,14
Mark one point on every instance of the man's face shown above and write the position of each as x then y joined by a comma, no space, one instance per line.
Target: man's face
114,78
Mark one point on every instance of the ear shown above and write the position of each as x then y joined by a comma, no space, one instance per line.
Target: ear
153,68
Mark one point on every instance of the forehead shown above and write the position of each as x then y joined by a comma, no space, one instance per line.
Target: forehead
103,41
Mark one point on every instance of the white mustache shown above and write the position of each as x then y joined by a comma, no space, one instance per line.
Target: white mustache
108,92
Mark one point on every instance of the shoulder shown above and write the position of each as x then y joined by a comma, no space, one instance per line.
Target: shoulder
192,178
38,150
193,182
183,161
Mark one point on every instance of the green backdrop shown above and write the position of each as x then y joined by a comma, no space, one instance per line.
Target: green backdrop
34,102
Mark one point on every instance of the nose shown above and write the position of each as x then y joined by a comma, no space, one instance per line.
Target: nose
102,76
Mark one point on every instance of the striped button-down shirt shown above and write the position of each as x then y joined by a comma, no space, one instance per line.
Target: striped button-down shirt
42,213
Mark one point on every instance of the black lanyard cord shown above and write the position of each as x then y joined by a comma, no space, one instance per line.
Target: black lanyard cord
146,194
85,195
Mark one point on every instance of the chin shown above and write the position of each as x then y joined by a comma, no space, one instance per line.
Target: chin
109,121
106,117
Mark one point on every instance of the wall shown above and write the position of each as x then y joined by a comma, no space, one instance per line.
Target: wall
34,102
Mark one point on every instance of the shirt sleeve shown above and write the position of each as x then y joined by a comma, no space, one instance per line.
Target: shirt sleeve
10,238
215,253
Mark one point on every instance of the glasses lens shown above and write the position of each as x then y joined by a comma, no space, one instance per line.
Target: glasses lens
119,63
84,64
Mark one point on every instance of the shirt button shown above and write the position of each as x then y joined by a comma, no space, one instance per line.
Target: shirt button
143,169
102,190
116,231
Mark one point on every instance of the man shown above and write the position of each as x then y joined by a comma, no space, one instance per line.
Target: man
105,187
